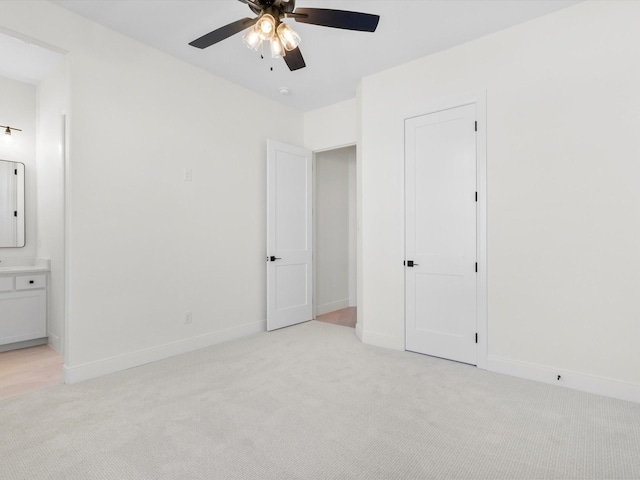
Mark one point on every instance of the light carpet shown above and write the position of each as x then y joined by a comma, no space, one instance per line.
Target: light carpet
312,402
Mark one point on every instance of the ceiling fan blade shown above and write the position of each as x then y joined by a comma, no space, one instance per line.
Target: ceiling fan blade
223,32
294,59
362,22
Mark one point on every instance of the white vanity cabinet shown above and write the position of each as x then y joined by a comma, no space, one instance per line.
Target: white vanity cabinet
23,307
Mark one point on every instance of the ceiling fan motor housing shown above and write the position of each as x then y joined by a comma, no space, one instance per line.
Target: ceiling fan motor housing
280,6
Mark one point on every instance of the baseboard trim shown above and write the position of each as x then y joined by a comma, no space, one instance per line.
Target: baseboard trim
135,359
332,307
359,331
23,344
54,342
380,339
578,381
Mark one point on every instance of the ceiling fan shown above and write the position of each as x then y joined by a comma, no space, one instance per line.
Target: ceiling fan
283,40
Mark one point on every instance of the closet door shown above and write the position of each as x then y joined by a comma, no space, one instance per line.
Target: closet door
440,266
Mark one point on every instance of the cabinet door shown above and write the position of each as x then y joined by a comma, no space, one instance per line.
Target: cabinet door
6,284
23,316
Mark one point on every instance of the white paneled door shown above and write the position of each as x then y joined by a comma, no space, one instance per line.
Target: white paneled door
289,235
441,204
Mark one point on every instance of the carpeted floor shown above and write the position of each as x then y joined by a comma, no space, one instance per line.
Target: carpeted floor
312,402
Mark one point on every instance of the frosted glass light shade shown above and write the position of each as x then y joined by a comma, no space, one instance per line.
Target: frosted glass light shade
252,39
289,38
277,50
266,26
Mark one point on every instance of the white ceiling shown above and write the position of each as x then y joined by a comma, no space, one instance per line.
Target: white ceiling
336,59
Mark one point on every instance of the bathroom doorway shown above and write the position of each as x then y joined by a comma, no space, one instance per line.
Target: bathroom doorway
35,97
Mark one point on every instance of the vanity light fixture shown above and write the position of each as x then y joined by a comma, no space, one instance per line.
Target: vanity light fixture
7,131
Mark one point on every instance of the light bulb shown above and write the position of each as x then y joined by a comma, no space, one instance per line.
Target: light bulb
266,26
277,51
289,38
252,39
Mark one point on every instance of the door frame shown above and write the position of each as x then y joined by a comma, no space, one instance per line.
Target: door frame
480,100
313,213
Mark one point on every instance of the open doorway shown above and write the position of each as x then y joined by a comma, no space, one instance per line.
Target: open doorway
335,231
32,271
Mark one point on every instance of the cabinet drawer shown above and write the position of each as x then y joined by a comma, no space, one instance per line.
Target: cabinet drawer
6,284
31,281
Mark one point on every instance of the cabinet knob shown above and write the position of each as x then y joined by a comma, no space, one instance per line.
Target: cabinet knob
30,281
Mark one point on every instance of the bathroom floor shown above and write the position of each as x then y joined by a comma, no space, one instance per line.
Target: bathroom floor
29,369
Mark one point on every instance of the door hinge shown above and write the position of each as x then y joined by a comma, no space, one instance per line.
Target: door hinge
476,126
15,172
476,196
476,337
15,213
476,267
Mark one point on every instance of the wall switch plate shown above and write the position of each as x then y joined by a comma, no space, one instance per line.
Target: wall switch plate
187,318
187,175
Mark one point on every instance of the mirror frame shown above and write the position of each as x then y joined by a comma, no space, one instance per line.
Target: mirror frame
20,207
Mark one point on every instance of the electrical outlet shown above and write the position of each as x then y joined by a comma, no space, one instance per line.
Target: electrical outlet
187,317
187,175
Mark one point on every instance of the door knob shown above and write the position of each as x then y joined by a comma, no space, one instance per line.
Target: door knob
273,259
411,264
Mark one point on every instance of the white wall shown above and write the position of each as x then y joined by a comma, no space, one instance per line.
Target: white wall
18,109
144,246
52,103
334,231
331,127
564,223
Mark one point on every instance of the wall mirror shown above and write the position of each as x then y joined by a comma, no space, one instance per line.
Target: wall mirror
11,204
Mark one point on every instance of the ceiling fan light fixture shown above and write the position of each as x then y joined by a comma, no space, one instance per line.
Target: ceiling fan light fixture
277,50
266,26
289,38
252,39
